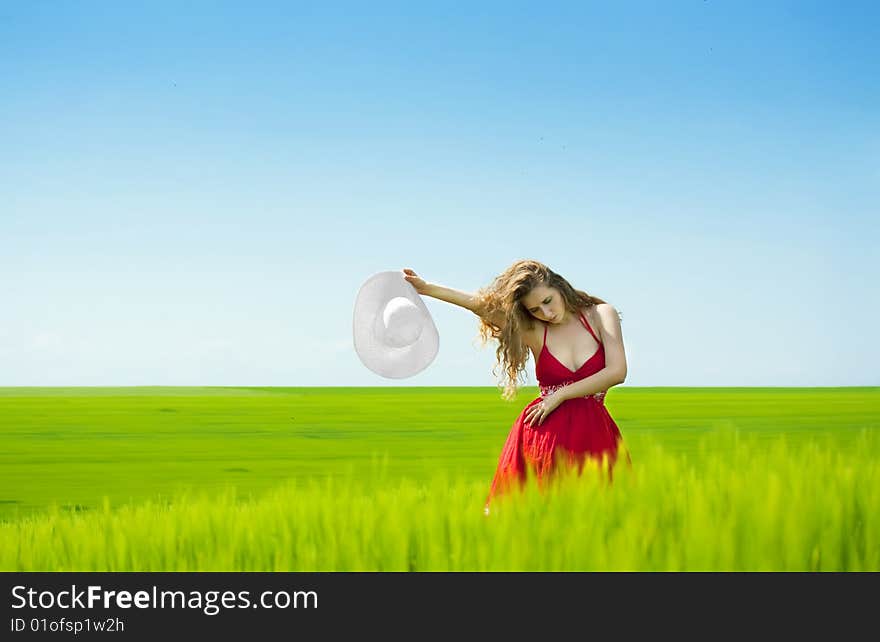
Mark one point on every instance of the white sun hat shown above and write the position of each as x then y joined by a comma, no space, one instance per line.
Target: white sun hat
394,334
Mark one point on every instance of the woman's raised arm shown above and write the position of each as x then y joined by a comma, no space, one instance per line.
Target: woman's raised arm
456,297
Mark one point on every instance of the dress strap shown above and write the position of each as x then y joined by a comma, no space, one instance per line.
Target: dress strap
586,323
545,336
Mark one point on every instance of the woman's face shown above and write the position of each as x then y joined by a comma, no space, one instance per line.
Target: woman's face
545,303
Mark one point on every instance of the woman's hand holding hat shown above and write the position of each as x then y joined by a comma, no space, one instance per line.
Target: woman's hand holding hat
416,281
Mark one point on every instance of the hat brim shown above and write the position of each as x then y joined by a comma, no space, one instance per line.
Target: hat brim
384,360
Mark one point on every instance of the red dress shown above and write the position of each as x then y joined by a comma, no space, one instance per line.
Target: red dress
577,428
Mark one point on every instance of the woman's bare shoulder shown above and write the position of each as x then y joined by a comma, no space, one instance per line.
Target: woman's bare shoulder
604,316
606,309
534,336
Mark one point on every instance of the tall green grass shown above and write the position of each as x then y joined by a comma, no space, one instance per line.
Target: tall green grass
738,502
76,446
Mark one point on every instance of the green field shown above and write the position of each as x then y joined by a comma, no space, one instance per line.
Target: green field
395,479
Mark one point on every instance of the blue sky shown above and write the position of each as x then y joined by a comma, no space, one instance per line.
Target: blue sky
193,195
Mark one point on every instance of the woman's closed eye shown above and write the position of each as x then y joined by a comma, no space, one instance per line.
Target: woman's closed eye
546,302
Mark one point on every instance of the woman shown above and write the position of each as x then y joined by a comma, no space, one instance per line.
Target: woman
577,344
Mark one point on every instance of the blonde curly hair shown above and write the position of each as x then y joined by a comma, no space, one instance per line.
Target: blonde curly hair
504,297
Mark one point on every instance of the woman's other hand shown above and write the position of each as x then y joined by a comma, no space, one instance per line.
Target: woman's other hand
539,412
416,281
